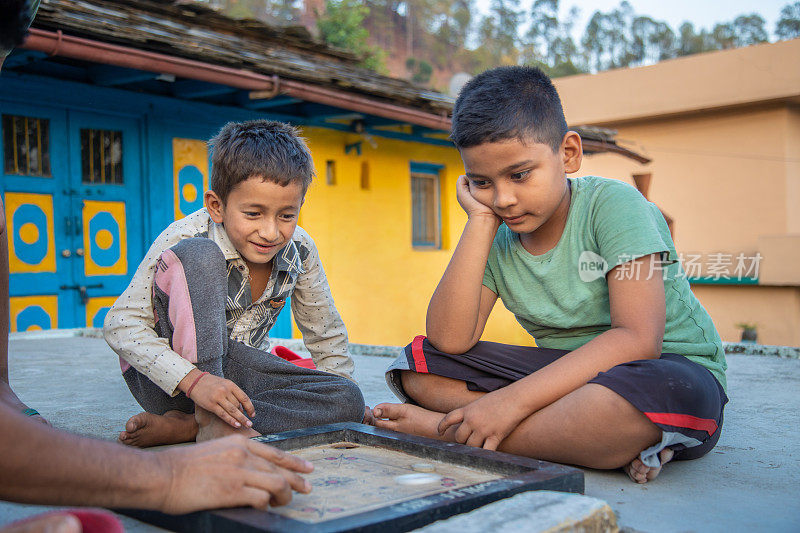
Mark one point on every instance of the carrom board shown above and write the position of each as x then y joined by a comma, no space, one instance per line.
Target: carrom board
357,484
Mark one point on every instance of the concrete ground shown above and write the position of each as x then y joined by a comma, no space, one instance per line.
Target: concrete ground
744,484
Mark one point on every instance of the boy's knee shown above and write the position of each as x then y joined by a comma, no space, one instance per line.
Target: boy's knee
199,250
419,386
412,384
349,402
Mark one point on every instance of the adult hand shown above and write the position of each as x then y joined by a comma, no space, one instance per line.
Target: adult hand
485,422
230,472
220,396
468,202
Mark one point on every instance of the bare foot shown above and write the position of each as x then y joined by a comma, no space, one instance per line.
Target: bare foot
210,426
408,418
640,473
9,397
49,523
148,429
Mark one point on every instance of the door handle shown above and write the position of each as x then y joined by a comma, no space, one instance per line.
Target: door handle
82,290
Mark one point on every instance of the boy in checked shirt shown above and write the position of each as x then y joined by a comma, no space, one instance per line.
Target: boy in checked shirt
191,328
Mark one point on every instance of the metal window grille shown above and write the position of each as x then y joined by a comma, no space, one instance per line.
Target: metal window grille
26,146
425,218
101,157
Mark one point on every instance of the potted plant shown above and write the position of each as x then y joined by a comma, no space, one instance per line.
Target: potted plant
749,332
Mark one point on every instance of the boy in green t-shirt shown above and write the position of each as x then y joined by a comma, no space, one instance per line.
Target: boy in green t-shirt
629,370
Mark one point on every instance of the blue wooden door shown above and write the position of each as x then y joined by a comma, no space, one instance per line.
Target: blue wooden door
105,233
35,171
72,192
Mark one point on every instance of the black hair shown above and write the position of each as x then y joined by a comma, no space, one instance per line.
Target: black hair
508,103
273,151
15,17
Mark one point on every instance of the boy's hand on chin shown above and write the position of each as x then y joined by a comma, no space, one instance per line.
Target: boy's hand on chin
225,399
468,202
485,422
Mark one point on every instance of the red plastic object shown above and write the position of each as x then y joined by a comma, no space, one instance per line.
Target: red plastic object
285,353
92,520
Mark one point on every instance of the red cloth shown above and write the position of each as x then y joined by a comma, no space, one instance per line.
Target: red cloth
285,353
92,520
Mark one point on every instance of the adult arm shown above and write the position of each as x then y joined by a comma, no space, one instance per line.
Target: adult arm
461,304
7,395
4,315
39,464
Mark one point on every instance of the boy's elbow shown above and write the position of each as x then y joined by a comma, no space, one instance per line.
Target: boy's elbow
110,326
448,345
644,344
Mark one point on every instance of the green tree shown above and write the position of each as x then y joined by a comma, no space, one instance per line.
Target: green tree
651,41
342,26
419,69
606,40
542,32
499,34
548,41
743,31
749,30
788,25
689,41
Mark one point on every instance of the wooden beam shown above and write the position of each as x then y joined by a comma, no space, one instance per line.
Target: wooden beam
193,89
111,76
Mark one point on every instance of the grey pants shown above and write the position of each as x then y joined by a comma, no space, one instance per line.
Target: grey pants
189,293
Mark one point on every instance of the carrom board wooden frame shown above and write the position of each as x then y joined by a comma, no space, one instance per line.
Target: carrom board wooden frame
520,474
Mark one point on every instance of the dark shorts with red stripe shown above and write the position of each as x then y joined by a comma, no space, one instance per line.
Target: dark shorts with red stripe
678,395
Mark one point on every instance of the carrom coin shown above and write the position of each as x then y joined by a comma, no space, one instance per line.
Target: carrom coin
417,479
423,467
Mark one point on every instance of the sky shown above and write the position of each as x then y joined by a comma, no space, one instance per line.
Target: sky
701,13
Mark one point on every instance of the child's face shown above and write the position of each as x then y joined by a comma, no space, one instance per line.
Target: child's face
259,217
522,182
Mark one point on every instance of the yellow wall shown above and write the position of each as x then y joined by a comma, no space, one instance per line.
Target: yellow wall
380,283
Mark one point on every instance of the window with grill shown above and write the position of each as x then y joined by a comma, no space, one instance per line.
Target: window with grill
101,157
425,210
26,146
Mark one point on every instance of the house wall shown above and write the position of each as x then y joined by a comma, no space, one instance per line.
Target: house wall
775,311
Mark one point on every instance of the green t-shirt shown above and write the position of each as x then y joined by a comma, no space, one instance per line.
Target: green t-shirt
561,296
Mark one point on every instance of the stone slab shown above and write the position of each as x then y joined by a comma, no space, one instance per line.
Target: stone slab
533,512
